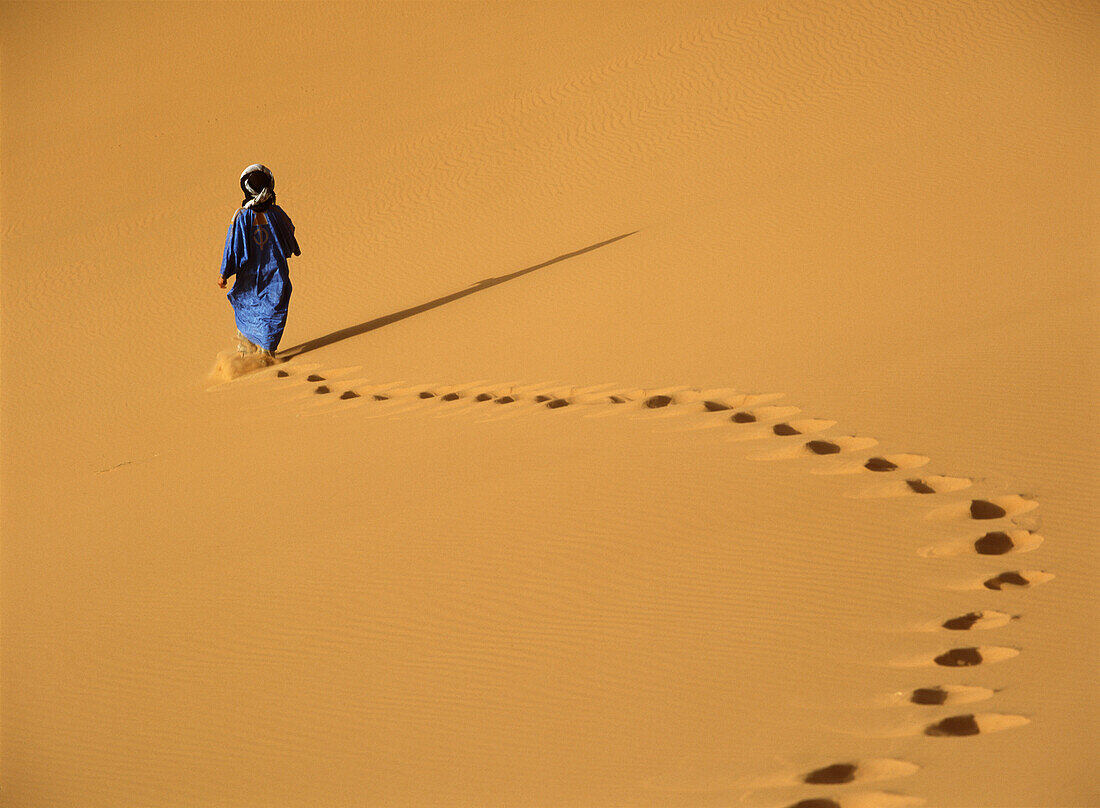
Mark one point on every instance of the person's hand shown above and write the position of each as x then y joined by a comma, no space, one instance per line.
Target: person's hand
221,283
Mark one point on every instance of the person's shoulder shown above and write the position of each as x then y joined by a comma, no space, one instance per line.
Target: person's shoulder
282,214
240,214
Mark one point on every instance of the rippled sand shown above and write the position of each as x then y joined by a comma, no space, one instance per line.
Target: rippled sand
682,405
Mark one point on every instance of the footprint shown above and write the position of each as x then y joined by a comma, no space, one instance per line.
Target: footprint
990,618
960,657
783,429
959,726
980,509
763,414
997,542
831,775
1017,578
1003,581
505,400
869,770
348,394
949,694
425,394
557,403
881,463
864,771
453,396
984,509
656,402
484,397
712,402
282,374
313,377
971,621
968,657
847,443
937,484
932,484
321,389
802,427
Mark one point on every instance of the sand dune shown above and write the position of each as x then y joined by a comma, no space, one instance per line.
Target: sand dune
682,404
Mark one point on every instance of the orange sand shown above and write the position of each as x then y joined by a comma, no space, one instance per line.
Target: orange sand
256,593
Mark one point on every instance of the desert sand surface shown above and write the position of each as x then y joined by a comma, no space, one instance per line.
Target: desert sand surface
683,404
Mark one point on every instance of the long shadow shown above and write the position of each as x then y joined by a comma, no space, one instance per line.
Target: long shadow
371,325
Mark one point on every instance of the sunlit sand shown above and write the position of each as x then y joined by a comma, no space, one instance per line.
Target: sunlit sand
681,404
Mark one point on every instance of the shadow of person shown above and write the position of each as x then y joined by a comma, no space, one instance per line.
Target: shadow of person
371,325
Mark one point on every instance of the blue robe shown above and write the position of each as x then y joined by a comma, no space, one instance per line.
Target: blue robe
257,255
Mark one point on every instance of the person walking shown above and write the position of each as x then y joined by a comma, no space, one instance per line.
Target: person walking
257,247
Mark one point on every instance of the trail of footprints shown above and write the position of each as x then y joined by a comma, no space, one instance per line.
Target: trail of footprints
753,417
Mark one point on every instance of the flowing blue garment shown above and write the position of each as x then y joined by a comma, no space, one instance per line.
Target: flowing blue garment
257,254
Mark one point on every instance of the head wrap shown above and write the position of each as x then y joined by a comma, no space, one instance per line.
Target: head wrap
258,184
